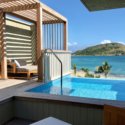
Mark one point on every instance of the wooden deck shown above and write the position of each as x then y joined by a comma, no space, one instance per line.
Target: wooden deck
10,87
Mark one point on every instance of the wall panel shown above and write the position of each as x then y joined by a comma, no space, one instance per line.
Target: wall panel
53,66
21,41
6,111
68,112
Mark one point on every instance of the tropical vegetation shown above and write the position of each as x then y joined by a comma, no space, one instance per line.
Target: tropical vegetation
103,49
88,74
85,70
74,69
104,68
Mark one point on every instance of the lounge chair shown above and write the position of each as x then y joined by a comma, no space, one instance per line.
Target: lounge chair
23,69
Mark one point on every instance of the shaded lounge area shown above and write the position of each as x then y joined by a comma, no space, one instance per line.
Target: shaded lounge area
49,30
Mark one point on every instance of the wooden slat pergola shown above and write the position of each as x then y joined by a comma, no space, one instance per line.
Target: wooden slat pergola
32,11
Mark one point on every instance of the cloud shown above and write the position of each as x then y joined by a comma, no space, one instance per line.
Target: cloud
69,44
76,47
121,43
72,44
105,41
108,41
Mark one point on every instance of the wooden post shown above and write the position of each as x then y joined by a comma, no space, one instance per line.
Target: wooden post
65,35
39,43
3,46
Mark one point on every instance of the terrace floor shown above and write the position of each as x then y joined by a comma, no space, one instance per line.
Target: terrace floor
9,88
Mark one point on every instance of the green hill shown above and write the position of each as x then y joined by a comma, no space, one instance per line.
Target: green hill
103,49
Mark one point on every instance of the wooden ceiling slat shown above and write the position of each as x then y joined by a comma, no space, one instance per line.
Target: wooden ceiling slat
26,9
5,1
52,12
45,19
52,22
32,12
22,17
26,14
18,2
18,8
27,1
15,3
49,16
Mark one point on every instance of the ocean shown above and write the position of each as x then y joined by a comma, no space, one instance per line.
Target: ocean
90,62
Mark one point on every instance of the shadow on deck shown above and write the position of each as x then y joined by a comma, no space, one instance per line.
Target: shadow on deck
9,88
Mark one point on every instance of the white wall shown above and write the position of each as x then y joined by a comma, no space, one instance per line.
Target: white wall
20,41
53,66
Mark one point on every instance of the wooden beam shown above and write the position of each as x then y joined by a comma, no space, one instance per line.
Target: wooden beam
52,12
4,1
3,46
39,43
20,7
21,17
65,36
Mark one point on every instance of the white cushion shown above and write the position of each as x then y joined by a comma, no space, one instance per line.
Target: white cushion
15,61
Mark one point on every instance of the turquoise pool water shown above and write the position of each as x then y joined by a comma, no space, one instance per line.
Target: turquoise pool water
85,87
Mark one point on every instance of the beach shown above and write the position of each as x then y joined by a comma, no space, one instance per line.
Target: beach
82,74
90,62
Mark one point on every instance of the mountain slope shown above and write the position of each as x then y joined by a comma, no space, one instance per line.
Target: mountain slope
103,49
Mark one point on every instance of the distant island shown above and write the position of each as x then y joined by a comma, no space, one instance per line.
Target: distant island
103,49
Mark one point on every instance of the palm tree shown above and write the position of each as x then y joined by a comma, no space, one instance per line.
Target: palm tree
74,68
104,68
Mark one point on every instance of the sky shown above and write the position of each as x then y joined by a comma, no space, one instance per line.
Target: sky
90,28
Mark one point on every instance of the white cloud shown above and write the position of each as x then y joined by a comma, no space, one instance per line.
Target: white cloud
108,41
105,41
69,44
72,44
121,43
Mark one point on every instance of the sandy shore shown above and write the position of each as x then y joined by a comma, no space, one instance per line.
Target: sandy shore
82,74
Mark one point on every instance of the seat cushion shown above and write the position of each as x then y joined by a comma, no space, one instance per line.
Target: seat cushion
22,62
26,68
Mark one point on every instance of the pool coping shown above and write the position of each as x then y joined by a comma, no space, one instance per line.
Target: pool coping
89,102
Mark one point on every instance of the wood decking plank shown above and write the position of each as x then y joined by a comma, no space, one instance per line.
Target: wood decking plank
9,88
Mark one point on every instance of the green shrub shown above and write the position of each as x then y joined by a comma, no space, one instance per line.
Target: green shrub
89,75
78,76
97,76
82,69
85,70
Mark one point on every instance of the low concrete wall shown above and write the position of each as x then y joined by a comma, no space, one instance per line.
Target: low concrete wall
6,111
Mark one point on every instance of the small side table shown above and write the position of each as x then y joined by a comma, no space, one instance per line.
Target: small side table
50,121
